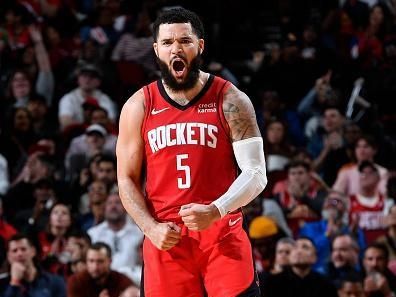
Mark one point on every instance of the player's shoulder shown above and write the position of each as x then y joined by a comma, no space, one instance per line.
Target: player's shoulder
135,101
236,100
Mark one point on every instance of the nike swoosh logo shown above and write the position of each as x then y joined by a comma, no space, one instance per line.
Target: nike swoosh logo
232,223
154,112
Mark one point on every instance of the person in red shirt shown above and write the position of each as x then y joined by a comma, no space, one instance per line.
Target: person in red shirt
367,206
187,130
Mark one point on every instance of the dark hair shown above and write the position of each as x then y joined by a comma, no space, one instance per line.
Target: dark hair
178,16
97,246
81,234
18,237
350,277
367,164
298,163
308,239
369,139
107,158
378,246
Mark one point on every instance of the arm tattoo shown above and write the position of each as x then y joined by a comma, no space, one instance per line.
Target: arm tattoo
240,115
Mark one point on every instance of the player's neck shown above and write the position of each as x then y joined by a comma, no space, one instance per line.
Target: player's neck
183,97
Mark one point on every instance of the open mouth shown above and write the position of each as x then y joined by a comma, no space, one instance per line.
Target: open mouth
179,67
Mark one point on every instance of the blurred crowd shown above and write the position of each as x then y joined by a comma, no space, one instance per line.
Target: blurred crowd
321,75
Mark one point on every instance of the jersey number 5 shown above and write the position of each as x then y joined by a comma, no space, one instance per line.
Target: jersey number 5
183,183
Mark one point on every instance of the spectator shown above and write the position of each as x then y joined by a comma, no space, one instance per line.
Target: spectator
70,105
53,240
76,249
327,146
284,246
277,148
25,277
378,279
95,140
99,279
15,140
333,224
299,279
299,196
351,286
92,205
348,181
344,259
34,220
20,196
122,235
107,171
367,207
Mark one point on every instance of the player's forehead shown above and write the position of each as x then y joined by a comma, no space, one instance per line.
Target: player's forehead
175,30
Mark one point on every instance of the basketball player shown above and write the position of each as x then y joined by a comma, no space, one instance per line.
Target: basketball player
185,131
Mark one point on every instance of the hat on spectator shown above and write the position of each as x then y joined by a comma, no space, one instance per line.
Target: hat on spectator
262,227
89,69
90,102
96,128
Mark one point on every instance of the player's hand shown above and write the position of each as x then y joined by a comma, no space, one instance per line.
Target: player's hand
198,217
165,235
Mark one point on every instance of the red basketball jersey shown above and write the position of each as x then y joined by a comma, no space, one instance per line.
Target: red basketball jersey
189,156
371,219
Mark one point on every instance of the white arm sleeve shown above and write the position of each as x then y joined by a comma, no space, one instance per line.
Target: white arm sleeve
249,154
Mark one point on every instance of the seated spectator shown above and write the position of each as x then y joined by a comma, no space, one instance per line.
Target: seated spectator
76,249
92,205
277,148
367,207
107,171
378,279
344,259
264,234
123,237
351,286
99,279
21,195
71,105
348,181
334,223
53,240
300,196
35,219
25,277
284,247
327,145
95,140
299,279
16,139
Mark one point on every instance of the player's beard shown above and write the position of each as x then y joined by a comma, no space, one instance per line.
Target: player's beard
191,77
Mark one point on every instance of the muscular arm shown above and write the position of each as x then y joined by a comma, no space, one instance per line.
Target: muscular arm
240,115
249,153
129,162
130,152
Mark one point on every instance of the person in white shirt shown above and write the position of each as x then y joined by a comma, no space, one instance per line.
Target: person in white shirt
71,105
122,235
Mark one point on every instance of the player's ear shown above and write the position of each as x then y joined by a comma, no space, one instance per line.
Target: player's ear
155,46
201,46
